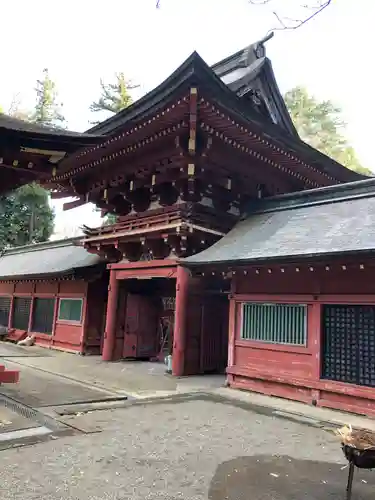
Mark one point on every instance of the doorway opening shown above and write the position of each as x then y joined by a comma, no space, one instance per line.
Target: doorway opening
145,323
146,317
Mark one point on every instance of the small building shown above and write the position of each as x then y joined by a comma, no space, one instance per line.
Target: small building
55,291
302,301
178,167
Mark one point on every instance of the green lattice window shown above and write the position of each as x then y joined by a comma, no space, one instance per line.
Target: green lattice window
70,310
43,315
275,323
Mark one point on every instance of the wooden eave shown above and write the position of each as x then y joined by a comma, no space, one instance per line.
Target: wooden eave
163,220
158,230
32,152
284,152
15,133
168,123
74,274
134,128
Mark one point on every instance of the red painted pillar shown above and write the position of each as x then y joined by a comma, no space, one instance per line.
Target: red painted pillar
110,324
314,336
232,329
180,327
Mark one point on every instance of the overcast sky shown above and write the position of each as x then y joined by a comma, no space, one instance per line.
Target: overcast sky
81,41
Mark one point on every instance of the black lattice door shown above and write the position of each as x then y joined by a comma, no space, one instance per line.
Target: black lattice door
21,313
348,353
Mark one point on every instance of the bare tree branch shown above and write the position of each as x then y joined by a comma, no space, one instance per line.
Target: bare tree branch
284,22
288,23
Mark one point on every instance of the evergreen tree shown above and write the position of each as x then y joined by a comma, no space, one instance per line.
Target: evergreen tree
320,124
25,217
48,109
25,214
114,96
109,219
16,110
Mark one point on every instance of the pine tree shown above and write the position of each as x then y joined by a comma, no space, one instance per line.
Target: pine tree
25,216
320,124
48,109
114,96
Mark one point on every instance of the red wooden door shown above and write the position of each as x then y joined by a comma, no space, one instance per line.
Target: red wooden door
141,327
214,334
148,334
131,326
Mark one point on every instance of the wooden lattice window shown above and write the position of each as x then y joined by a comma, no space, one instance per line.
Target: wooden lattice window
70,310
5,303
348,350
21,312
275,323
43,315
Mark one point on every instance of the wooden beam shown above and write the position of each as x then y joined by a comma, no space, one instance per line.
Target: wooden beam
28,170
58,195
75,203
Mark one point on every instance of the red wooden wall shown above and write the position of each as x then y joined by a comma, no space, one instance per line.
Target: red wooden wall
207,328
79,337
292,371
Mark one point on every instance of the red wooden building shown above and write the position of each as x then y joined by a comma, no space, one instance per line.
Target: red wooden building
302,302
30,152
55,291
178,167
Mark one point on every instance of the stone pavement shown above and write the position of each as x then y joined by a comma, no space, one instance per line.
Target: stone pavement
148,380
137,379
299,411
193,450
187,438
39,389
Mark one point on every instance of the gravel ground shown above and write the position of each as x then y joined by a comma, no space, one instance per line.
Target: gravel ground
191,450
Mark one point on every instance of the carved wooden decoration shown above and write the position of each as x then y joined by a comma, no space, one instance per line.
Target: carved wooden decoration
167,194
158,248
141,199
131,251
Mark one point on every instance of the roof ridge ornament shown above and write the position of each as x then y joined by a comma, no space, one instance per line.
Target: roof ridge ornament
258,49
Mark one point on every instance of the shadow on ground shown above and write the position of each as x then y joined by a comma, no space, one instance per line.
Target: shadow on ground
284,478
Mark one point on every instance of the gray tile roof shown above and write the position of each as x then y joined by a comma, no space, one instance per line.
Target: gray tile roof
335,220
11,123
51,258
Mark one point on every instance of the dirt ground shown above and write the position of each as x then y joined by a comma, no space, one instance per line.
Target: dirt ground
195,449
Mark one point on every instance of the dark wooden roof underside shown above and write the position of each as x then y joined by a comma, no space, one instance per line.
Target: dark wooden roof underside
15,132
21,150
195,72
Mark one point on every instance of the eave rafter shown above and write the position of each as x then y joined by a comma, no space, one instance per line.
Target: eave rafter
247,172
177,238
130,140
25,166
259,159
257,142
155,148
